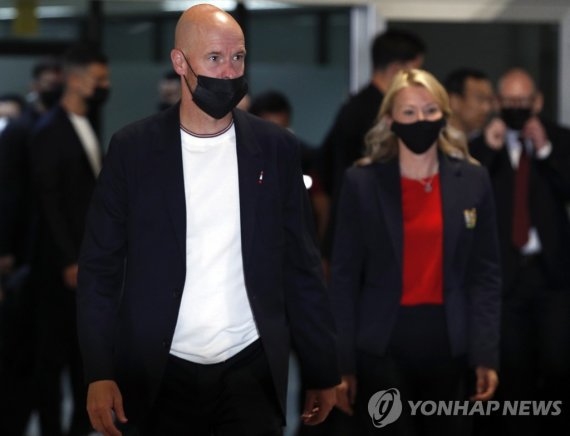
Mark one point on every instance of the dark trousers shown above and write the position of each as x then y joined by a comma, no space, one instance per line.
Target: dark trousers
234,398
17,346
535,350
420,366
57,350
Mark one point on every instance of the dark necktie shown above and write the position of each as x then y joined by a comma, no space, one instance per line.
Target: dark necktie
521,212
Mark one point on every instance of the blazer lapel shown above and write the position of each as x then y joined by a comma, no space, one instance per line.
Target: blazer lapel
250,167
170,172
389,192
453,218
74,140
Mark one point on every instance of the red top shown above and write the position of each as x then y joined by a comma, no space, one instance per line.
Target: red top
423,243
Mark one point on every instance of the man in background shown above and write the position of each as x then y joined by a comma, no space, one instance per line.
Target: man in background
471,99
14,160
529,162
66,158
18,233
391,52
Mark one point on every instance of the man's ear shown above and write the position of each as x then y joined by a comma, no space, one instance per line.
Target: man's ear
538,103
178,61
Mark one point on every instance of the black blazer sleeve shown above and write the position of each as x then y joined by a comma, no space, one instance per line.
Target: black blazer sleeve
102,265
347,266
308,307
483,283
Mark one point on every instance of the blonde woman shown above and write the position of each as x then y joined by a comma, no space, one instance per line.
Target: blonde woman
415,273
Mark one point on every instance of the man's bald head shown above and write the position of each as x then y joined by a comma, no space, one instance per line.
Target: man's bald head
209,43
200,18
516,81
516,89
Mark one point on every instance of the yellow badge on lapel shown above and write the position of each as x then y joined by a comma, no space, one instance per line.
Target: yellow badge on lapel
470,218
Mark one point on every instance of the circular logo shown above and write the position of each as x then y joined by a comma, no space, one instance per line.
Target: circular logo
385,407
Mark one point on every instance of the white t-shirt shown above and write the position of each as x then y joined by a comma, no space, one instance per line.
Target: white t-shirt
215,320
89,141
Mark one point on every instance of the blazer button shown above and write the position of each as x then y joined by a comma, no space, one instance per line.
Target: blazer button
177,293
165,344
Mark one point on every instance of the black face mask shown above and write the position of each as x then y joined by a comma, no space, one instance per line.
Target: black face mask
51,97
99,97
217,97
515,118
419,136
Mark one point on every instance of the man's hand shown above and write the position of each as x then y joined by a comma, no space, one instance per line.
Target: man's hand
104,398
318,404
486,384
495,134
534,130
70,276
346,394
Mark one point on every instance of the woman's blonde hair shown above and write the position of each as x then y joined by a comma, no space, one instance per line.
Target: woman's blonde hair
382,143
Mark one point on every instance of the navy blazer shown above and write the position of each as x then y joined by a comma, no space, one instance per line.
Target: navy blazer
367,261
132,267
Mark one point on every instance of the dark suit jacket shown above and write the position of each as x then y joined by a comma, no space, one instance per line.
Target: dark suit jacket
366,284
549,192
15,204
344,142
64,183
133,264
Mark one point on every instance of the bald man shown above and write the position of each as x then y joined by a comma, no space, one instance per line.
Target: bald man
199,266
529,162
